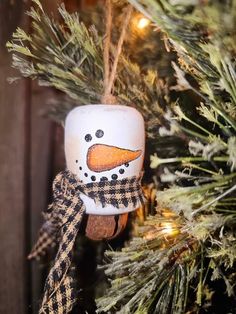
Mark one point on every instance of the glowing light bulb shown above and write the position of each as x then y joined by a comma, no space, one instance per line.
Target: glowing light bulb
169,229
142,23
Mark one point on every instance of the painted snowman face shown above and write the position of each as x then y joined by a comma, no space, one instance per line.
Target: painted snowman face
104,142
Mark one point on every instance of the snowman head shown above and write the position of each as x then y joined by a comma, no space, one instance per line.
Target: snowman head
104,142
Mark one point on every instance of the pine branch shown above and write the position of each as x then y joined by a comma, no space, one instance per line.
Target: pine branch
68,56
200,183
160,268
144,273
201,45
172,256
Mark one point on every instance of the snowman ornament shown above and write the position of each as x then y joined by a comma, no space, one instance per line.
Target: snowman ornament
104,143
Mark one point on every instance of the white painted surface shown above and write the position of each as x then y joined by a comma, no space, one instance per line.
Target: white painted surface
122,126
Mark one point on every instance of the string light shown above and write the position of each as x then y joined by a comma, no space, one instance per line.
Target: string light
142,23
170,229
165,229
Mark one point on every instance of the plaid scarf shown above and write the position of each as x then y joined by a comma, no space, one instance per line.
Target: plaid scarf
62,221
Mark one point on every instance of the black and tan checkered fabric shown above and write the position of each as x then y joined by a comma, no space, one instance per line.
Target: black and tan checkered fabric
62,221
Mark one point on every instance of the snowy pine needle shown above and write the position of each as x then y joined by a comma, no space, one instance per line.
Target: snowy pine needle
156,273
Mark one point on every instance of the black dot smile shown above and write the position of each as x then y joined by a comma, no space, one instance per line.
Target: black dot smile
114,176
104,179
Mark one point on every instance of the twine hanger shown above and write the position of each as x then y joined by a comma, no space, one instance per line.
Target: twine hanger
109,75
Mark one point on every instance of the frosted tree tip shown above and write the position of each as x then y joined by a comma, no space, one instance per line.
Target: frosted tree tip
155,161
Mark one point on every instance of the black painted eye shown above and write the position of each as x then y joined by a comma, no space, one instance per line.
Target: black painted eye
121,171
114,176
80,168
85,174
88,137
127,164
76,161
104,179
93,178
99,133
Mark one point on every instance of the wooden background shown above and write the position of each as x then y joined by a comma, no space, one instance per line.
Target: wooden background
31,152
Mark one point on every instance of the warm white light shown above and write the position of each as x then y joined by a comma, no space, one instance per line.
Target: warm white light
142,23
169,229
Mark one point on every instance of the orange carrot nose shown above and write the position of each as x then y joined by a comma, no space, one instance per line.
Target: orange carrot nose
102,157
